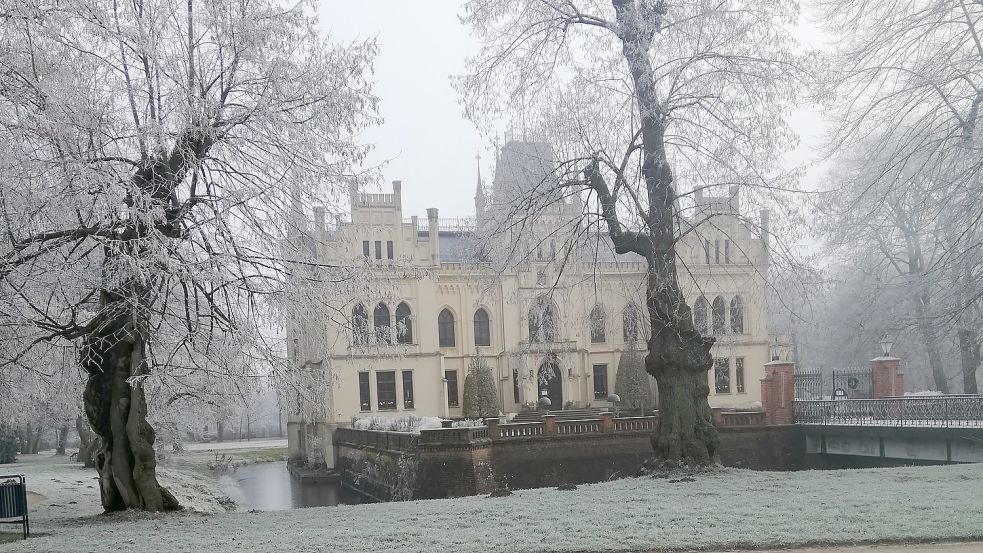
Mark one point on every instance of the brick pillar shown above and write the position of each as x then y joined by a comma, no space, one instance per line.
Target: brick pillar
549,424
494,432
886,377
778,392
607,421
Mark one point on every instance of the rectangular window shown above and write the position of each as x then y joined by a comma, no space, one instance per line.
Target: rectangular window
365,248
364,391
378,249
407,389
721,376
600,381
739,374
706,250
389,249
726,251
385,384
716,252
452,396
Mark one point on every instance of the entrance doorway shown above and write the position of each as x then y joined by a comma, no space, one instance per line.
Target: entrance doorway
550,382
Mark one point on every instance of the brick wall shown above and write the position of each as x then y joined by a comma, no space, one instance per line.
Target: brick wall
551,460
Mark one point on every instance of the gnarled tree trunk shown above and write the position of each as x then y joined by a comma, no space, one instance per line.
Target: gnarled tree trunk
62,439
117,411
87,442
679,359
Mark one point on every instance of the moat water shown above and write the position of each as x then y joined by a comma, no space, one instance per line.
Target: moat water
269,487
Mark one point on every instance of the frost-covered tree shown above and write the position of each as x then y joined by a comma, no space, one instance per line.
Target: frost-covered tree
480,391
157,155
906,87
645,102
893,229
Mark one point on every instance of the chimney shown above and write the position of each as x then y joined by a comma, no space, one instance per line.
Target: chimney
433,235
765,229
319,221
735,199
397,189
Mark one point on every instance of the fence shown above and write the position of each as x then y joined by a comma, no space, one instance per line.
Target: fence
856,382
927,412
851,382
809,384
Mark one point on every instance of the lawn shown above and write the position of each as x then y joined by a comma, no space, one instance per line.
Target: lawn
728,509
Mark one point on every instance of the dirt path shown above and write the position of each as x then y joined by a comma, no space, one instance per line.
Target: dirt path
964,547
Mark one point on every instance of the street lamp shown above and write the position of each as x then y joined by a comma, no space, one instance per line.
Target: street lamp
775,349
886,345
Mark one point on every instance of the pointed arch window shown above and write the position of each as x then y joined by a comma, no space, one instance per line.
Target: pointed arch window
596,322
701,316
718,313
737,315
360,325
445,329
631,321
404,324
482,329
542,322
382,324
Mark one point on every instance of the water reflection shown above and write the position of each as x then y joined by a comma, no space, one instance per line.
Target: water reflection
269,487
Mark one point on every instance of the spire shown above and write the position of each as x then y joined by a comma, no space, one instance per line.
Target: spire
479,194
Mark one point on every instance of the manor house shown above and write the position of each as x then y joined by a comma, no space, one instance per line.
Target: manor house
527,286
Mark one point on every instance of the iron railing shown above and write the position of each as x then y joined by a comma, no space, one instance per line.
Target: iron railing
926,412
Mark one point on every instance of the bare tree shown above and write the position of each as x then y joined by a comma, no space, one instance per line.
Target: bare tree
909,75
892,226
646,101
156,155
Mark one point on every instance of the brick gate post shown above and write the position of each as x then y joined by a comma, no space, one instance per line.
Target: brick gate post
778,392
886,377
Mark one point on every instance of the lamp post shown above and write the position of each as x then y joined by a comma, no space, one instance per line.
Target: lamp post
775,349
886,345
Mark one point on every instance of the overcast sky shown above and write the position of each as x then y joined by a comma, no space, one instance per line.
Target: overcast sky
425,140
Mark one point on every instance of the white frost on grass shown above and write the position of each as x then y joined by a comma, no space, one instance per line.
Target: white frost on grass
71,491
730,509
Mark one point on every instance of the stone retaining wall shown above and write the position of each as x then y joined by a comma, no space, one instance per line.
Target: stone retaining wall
453,462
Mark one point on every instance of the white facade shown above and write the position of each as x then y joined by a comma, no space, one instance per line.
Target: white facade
427,266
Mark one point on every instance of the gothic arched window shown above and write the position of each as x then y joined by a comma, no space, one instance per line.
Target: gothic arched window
701,316
404,324
737,315
482,330
382,324
631,320
445,329
719,315
596,322
360,325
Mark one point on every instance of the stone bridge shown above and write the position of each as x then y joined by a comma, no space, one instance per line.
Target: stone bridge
888,425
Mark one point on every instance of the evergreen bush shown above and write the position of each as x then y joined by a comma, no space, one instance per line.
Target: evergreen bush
480,391
632,382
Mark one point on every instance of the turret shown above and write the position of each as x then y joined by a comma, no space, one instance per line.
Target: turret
433,235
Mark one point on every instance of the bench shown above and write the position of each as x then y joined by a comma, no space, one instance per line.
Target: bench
13,501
